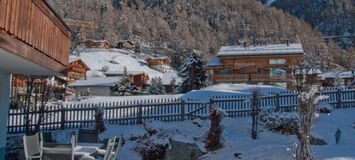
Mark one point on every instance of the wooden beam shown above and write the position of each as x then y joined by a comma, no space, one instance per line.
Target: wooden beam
25,51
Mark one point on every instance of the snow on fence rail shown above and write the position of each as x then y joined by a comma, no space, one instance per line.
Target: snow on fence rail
77,115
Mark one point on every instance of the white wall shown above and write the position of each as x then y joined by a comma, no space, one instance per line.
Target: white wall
162,68
4,109
94,91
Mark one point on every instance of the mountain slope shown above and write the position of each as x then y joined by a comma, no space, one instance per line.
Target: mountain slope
181,25
332,17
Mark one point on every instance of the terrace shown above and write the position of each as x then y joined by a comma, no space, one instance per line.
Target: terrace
33,41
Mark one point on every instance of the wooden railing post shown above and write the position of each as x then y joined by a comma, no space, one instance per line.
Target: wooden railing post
62,120
339,98
182,110
140,113
210,105
277,102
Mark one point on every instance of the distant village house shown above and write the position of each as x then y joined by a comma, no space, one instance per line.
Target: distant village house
330,79
161,64
138,78
89,43
77,68
94,86
125,45
255,64
171,81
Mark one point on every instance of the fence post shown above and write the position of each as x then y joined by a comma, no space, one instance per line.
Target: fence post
182,110
211,105
277,101
62,121
339,98
140,113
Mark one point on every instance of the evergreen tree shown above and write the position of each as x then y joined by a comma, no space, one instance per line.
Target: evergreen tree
124,86
156,87
194,73
173,85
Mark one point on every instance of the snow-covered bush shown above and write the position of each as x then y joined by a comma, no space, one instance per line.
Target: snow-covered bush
104,68
324,107
265,112
152,148
113,60
283,122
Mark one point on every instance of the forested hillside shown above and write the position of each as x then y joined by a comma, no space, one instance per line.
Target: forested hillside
332,17
176,26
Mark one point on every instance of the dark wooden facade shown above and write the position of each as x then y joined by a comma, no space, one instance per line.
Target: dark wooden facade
253,68
30,29
139,80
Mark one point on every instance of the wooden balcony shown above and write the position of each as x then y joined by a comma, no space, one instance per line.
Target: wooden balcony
251,78
33,37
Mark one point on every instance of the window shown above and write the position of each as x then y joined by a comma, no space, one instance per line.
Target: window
260,71
226,71
277,61
277,71
244,70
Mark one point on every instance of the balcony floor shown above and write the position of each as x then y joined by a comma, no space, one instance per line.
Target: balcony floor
11,63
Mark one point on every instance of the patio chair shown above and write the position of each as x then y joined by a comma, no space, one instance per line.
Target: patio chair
114,154
109,149
88,136
54,151
32,147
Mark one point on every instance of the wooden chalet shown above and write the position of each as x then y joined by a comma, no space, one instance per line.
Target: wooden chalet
76,68
152,61
161,64
255,64
33,41
125,45
345,78
139,78
96,43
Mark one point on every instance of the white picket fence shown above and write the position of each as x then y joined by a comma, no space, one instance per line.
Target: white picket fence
77,115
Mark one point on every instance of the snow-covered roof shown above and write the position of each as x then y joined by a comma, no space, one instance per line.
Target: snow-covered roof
214,61
73,58
293,48
122,72
96,82
167,77
115,60
335,74
347,74
229,89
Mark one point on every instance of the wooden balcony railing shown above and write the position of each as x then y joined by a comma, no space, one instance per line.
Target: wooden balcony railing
35,24
251,77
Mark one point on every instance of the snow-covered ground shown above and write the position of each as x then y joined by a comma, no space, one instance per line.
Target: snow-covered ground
229,89
236,135
203,94
98,99
115,60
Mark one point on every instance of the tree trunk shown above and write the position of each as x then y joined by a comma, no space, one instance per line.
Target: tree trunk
214,134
